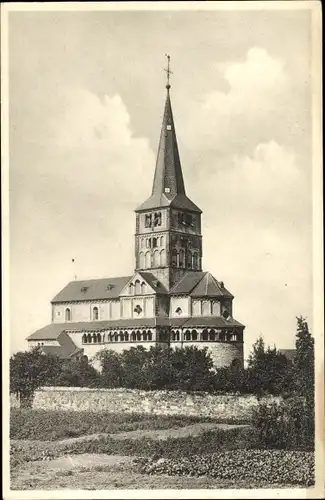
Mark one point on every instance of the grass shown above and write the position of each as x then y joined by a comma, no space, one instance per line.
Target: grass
223,458
206,443
51,425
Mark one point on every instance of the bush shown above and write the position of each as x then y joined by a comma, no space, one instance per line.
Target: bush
252,466
286,425
187,369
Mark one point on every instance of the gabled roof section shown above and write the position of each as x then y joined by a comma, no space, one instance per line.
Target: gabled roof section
49,332
200,284
210,287
147,277
55,332
187,282
153,282
168,184
95,289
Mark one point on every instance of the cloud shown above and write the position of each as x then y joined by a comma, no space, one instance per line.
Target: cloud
75,200
257,233
97,136
241,113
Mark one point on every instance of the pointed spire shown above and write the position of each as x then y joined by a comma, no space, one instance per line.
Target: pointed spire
168,185
168,179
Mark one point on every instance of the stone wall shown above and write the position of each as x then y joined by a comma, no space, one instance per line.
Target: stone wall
225,407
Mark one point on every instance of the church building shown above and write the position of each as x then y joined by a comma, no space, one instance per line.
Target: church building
169,300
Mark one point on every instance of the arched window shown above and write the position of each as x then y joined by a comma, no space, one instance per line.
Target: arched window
131,289
121,336
89,338
138,335
194,335
84,339
126,337
95,313
187,335
216,308
181,258
144,336
173,336
206,308
189,260
116,337
178,335
68,314
94,338
156,258
143,287
155,242
212,335
133,337
161,241
137,287
148,260
194,260
149,336
162,257
174,257
142,260
99,338
205,335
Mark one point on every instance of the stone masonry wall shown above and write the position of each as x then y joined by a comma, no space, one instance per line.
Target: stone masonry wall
225,407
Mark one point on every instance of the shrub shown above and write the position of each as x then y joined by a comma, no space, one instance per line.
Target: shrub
285,425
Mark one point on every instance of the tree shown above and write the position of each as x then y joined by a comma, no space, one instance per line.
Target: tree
30,370
193,367
79,374
134,363
112,373
304,360
269,370
159,372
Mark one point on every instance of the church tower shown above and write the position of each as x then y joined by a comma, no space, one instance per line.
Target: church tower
168,240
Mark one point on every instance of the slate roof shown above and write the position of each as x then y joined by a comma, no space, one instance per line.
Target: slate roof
153,282
49,332
53,330
59,332
210,321
66,348
194,283
210,287
200,284
103,288
95,289
168,171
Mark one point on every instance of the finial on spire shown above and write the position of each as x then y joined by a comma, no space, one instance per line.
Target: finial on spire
168,71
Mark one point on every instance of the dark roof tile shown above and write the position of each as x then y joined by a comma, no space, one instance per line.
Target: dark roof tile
95,289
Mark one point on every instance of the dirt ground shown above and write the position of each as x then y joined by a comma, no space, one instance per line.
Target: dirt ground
105,472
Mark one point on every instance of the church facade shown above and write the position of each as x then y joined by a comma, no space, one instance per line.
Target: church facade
169,300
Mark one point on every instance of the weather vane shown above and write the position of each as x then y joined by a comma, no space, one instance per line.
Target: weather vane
168,71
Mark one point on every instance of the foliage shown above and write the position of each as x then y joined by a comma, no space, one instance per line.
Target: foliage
272,466
285,425
269,370
78,374
304,360
30,370
50,425
157,368
112,373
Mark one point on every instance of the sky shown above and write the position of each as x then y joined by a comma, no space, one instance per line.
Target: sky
86,99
